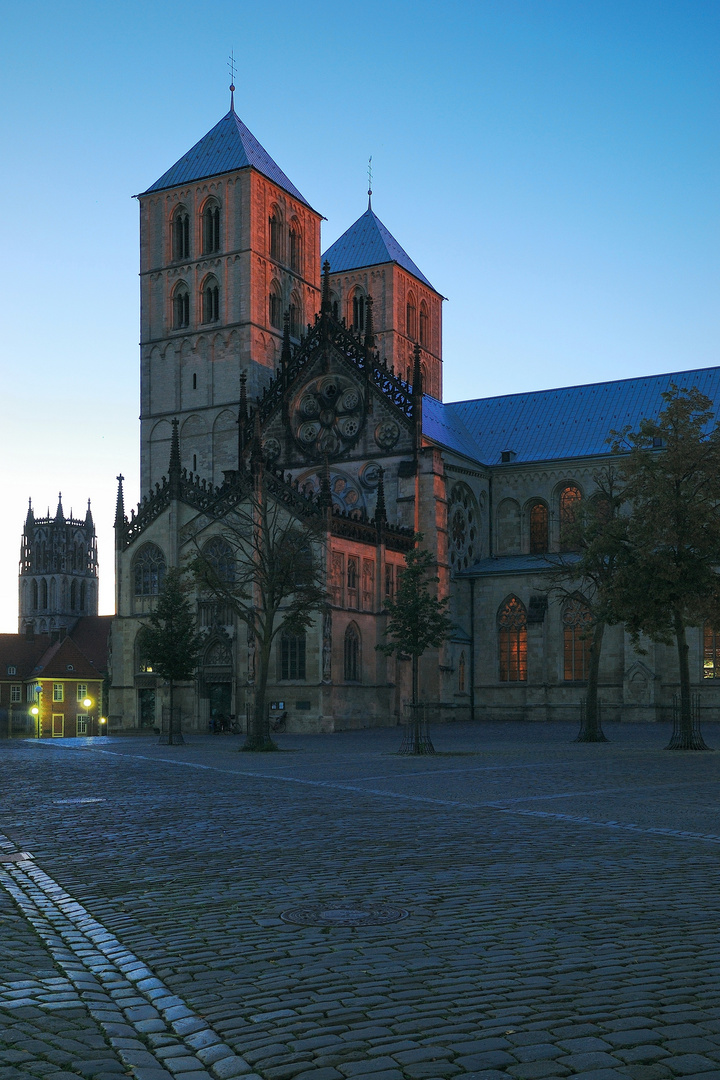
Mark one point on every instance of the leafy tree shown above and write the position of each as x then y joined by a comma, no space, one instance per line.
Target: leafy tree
587,575
275,584
170,641
669,572
417,621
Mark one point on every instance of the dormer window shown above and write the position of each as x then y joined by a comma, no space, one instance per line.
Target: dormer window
507,456
11,669
658,442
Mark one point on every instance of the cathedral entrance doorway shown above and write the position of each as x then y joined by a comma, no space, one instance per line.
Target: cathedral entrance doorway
219,694
146,709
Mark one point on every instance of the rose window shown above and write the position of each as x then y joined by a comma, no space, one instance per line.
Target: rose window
463,527
327,415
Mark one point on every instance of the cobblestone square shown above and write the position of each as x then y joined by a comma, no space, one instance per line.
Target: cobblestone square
562,905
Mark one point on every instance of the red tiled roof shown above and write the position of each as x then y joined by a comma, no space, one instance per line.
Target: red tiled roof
17,651
64,660
91,634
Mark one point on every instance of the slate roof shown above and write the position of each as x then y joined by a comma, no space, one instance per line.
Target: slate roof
59,658
547,425
368,243
91,634
227,147
16,650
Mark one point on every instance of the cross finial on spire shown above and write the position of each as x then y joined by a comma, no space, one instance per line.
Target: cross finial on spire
232,69
370,182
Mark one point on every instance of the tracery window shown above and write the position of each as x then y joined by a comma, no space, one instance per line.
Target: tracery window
181,306
180,230
211,228
295,248
219,555
358,312
711,652
292,657
569,504
512,641
210,301
149,570
351,654
577,629
539,534
275,306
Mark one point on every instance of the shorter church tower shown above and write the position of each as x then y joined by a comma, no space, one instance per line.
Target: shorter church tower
58,571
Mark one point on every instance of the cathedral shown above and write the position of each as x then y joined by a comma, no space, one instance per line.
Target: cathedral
329,366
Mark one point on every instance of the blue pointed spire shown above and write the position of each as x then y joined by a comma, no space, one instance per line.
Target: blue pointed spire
368,243
225,148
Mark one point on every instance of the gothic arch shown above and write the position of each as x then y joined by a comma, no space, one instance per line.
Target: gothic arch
224,444
148,570
194,443
160,449
275,313
275,232
512,640
357,300
295,311
296,245
536,515
210,225
209,300
180,303
464,527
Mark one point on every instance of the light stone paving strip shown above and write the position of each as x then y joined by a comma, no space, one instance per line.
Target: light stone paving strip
135,1009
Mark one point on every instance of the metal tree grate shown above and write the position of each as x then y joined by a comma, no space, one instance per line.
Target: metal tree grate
416,739
687,740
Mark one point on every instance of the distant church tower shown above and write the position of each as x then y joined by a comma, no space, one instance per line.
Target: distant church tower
58,571
227,246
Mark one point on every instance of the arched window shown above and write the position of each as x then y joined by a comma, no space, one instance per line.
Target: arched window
142,663
539,536
295,248
577,628
295,316
180,231
73,595
711,652
411,317
210,300
211,228
83,595
44,594
461,673
35,595
512,641
351,654
219,555
149,570
569,503
292,657
275,234
181,306
358,311
275,305
424,325
334,305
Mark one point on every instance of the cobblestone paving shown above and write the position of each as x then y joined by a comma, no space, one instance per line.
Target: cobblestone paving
563,899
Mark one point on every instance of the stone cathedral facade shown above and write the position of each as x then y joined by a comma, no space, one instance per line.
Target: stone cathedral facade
335,362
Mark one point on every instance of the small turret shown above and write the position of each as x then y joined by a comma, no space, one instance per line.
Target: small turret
174,468
59,514
89,523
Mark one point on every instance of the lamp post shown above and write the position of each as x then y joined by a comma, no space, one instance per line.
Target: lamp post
103,725
35,713
87,704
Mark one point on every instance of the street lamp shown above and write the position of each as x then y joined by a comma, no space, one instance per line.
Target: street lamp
35,713
103,730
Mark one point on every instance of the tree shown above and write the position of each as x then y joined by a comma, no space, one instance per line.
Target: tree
275,582
587,577
669,571
170,641
417,621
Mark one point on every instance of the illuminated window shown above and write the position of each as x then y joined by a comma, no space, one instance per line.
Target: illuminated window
569,503
180,229
577,628
58,694
351,654
210,301
512,641
538,529
181,306
82,723
211,228
711,652
81,691
292,657
149,570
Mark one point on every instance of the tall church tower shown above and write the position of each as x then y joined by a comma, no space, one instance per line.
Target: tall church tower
58,571
367,261
227,245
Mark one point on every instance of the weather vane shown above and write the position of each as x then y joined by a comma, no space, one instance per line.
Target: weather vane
232,69
370,182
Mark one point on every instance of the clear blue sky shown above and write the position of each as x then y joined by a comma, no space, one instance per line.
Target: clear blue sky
551,166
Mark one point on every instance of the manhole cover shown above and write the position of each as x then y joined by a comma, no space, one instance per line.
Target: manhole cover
17,856
77,802
344,915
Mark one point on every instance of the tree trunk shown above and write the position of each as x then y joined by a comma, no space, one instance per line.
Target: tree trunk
175,735
686,735
591,728
416,738
259,736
